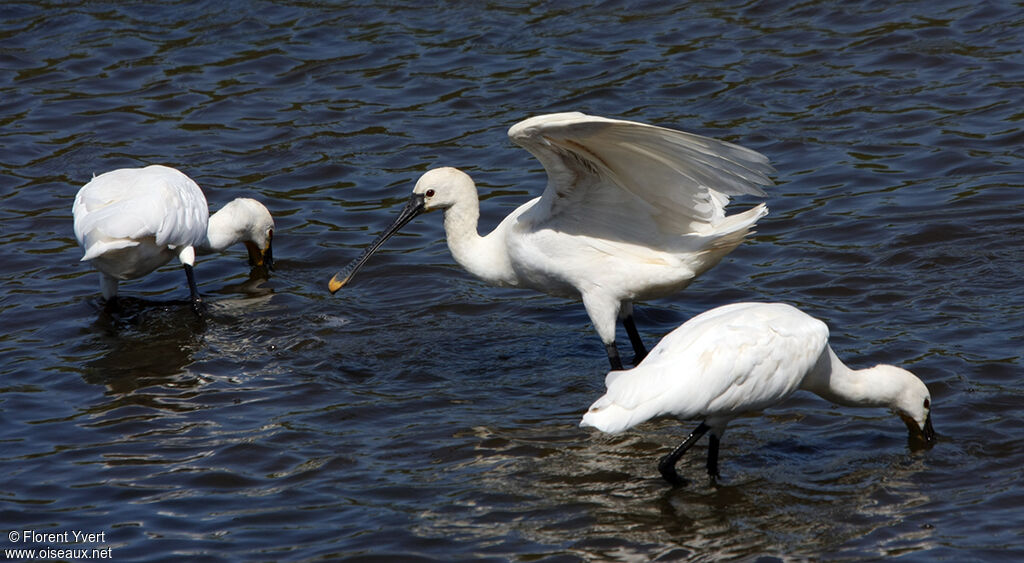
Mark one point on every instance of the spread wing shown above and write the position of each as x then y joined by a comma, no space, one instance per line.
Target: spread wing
630,181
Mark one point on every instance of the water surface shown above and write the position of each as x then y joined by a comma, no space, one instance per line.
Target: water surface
423,414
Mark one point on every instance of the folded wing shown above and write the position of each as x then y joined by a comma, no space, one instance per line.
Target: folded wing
122,207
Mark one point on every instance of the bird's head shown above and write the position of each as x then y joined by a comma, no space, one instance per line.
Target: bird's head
912,403
441,188
247,221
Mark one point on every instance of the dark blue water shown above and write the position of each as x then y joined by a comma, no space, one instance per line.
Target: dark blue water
421,414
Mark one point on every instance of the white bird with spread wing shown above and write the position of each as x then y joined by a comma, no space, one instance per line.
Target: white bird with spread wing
743,358
631,212
131,221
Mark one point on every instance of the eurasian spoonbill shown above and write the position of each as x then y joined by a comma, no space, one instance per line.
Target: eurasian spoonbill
631,211
745,357
131,221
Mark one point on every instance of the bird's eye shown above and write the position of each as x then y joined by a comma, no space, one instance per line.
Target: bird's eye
927,404
430,193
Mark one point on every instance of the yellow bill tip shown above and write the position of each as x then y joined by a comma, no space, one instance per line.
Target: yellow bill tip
335,284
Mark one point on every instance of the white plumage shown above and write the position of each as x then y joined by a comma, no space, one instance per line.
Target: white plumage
631,211
131,221
743,358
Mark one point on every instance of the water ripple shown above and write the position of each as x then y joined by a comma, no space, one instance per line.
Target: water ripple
422,415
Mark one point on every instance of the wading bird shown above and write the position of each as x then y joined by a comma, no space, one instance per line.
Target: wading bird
745,357
131,221
630,212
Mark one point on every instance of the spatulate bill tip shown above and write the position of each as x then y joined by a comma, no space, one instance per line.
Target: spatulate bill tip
337,282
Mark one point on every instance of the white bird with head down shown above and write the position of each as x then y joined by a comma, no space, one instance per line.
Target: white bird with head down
131,221
631,212
742,358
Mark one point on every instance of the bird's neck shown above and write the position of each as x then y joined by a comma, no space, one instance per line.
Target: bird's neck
834,381
223,231
485,257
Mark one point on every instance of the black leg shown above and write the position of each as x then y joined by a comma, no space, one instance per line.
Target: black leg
112,306
667,465
613,356
634,338
713,455
197,302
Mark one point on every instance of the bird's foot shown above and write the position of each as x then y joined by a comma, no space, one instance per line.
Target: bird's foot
667,468
198,307
112,306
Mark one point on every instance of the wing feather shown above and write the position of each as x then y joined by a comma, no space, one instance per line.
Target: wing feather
131,204
732,359
613,171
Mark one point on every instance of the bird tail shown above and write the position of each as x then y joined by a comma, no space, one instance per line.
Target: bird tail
733,229
627,403
95,249
609,417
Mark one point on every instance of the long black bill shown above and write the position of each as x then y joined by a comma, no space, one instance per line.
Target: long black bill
268,257
929,430
920,437
413,208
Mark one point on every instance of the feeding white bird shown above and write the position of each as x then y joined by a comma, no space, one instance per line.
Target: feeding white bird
741,358
630,212
131,221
